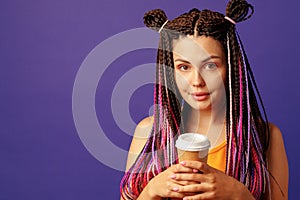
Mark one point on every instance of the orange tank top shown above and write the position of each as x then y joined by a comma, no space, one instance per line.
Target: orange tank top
217,157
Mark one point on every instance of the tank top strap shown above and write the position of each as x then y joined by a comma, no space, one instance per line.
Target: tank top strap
217,157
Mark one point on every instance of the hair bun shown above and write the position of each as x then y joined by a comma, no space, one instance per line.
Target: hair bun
239,10
154,19
194,11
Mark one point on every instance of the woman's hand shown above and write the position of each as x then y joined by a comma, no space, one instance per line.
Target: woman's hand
210,184
165,184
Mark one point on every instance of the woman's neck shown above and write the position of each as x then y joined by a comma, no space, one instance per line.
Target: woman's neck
212,124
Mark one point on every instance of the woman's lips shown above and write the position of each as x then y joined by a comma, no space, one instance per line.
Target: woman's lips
200,96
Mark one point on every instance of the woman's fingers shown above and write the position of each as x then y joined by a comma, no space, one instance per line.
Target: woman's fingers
186,182
195,188
189,172
172,190
200,166
190,177
177,173
181,168
206,195
164,186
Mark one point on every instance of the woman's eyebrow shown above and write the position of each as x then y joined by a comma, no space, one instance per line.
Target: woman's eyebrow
205,60
181,60
211,57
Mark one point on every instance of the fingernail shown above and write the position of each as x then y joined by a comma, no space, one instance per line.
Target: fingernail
182,162
185,198
195,170
175,189
173,176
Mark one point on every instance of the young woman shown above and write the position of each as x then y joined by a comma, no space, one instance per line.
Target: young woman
204,84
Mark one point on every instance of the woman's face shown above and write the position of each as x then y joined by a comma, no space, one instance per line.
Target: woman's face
200,71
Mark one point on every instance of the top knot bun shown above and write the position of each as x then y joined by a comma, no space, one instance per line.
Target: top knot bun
154,19
239,10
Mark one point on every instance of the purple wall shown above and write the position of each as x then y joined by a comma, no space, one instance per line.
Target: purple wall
43,45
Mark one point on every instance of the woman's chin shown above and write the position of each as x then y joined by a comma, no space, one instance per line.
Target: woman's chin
201,106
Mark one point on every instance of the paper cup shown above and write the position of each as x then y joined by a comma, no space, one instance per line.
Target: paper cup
192,146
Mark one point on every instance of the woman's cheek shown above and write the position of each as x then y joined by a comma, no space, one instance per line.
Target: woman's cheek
214,83
181,82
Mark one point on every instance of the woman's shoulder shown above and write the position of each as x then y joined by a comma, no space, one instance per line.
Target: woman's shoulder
141,134
274,129
147,121
276,141
143,128
277,163
275,133
275,137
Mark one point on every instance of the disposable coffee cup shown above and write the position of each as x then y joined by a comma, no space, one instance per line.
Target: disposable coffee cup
192,146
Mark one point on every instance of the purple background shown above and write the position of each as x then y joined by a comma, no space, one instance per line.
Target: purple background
43,44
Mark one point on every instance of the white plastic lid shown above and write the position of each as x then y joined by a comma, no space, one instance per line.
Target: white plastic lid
192,142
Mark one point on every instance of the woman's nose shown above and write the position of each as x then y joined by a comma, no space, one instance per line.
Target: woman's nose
197,79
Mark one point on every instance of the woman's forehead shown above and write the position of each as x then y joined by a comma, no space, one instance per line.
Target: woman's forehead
196,49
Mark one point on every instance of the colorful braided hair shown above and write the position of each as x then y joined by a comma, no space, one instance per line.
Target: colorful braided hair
247,132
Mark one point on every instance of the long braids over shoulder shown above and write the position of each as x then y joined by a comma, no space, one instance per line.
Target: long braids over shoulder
247,130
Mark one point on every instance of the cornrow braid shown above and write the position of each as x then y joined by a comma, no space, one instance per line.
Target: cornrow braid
159,152
238,10
248,165
212,24
247,131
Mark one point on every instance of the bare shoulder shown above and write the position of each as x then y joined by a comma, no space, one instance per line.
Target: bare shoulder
145,123
275,132
276,140
143,128
277,164
141,134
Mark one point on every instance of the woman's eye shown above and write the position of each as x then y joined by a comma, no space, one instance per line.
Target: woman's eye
183,67
210,66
